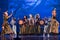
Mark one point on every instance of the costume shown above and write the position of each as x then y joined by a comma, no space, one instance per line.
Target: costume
13,23
54,26
7,28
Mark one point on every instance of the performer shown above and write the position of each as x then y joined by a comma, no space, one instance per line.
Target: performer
26,24
54,23
22,30
6,27
31,20
46,26
25,20
13,23
31,24
42,23
37,25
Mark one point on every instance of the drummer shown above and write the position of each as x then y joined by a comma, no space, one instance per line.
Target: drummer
21,26
42,23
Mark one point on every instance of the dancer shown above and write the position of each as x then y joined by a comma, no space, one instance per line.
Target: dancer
22,30
54,23
31,24
26,24
13,23
37,25
47,27
6,29
42,23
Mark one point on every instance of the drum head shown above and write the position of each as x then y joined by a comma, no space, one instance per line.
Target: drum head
20,22
41,22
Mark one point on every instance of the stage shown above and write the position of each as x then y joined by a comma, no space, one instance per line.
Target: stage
33,37
17,9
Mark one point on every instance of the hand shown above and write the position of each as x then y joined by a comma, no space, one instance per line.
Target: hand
10,15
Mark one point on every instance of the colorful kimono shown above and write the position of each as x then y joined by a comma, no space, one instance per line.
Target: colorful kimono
54,26
31,26
7,29
37,26
22,29
26,25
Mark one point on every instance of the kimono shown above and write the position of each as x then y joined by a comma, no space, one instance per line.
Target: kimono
7,28
24,27
54,26
13,23
37,26
31,26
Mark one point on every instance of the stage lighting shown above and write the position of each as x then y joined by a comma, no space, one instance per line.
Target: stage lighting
31,3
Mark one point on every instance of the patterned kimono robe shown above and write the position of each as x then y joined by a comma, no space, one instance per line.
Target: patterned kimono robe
6,25
54,26
24,27
37,26
31,25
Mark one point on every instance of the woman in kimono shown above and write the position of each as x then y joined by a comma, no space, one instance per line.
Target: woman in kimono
54,23
26,25
37,24
6,27
31,24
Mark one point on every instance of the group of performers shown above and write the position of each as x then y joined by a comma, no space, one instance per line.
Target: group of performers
31,25
38,25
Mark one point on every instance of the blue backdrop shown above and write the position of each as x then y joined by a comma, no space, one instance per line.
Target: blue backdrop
26,7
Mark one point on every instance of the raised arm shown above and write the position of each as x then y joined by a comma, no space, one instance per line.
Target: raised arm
9,15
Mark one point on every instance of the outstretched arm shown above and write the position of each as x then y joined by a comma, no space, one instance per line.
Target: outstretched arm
9,15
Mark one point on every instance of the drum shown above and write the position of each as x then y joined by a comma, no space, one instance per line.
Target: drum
41,22
23,27
21,22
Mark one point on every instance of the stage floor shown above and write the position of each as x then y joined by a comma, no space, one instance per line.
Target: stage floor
39,37
8,37
33,37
